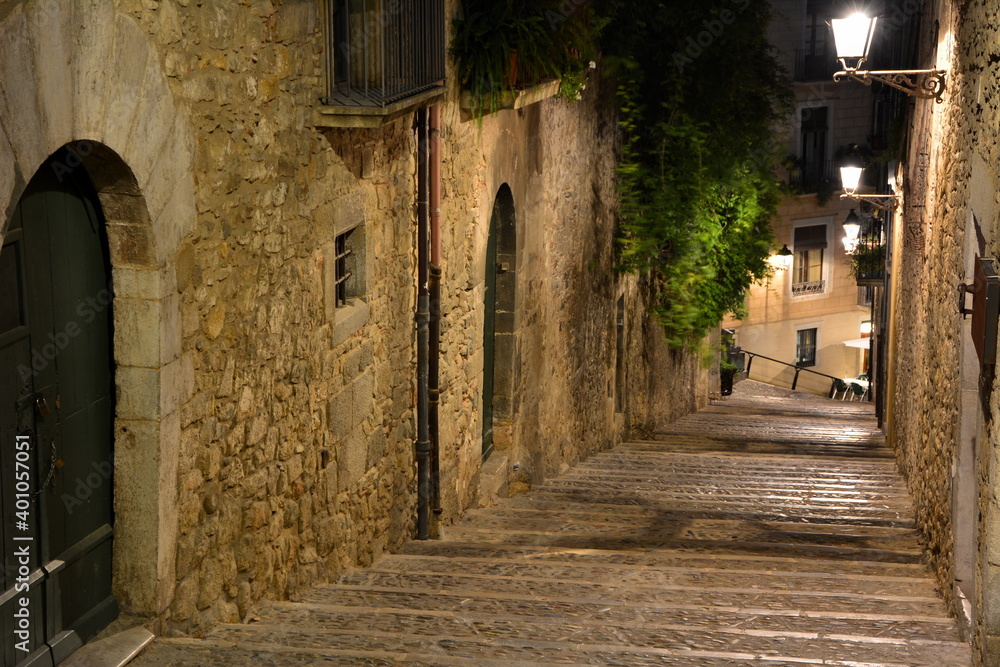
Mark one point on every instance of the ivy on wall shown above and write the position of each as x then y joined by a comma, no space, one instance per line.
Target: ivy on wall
699,92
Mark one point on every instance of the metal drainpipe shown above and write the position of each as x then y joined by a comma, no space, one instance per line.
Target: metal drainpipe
423,317
435,309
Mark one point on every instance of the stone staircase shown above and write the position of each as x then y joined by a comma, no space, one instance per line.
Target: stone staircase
757,532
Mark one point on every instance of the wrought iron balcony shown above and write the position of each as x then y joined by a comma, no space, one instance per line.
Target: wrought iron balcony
814,287
809,176
814,66
868,261
383,53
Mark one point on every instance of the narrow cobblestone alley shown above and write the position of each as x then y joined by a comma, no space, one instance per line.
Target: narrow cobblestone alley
761,530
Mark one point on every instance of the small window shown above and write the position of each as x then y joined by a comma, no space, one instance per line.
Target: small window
341,274
805,347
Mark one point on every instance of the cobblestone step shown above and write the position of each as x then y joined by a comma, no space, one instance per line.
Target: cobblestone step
754,533
684,577
461,614
551,502
653,558
591,645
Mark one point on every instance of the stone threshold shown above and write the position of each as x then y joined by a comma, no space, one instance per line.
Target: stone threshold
114,651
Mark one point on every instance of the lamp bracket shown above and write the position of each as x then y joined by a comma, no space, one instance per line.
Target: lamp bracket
924,83
875,200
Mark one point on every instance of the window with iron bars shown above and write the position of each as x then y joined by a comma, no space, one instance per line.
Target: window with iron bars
383,51
341,269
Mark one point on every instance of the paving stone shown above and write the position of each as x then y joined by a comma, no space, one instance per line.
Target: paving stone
761,531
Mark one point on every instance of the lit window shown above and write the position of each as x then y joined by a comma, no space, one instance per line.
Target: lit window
805,347
807,269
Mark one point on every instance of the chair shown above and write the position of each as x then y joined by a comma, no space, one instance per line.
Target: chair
840,387
858,390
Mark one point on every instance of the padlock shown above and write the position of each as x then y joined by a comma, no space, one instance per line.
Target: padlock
41,407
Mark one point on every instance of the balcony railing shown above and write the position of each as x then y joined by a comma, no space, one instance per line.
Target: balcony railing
868,261
810,176
814,287
380,52
814,66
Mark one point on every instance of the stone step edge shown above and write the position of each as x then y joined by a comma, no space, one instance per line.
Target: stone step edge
499,595
544,644
896,531
527,503
673,569
665,608
439,659
665,552
914,552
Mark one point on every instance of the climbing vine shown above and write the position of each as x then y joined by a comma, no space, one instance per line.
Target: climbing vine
699,93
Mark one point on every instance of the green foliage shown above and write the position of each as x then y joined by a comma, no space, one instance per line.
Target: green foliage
868,262
699,93
502,45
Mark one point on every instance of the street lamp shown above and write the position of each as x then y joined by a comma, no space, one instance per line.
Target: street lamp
853,39
782,260
852,232
851,167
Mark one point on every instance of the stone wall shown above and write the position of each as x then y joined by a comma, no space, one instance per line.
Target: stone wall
924,347
295,447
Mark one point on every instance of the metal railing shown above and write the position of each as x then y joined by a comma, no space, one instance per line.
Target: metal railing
812,175
383,51
814,66
812,287
798,369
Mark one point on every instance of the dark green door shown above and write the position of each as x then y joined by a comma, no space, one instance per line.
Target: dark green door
56,421
489,335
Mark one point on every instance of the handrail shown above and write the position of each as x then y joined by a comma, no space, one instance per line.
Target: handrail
798,369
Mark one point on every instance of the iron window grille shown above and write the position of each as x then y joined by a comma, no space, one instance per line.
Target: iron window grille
341,272
805,347
383,51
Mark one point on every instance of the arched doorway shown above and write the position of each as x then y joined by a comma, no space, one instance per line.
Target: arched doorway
56,418
498,329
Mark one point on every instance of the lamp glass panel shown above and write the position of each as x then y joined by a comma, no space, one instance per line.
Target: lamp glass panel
853,230
853,36
850,177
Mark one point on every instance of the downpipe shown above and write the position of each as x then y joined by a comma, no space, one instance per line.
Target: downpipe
434,386
423,331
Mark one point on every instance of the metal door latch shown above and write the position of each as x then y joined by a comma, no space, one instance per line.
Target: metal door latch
42,407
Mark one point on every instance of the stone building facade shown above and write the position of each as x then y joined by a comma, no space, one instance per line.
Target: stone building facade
263,421
806,311
942,404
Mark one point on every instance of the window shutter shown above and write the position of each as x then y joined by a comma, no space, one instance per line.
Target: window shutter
809,238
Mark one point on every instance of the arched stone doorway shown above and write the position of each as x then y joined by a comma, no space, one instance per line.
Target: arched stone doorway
114,112
57,413
499,339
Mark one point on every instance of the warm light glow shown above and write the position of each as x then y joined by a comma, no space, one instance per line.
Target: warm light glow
853,36
850,245
866,328
852,228
850,177
782,260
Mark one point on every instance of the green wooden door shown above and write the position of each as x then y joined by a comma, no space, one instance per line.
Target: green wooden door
56,422
489,335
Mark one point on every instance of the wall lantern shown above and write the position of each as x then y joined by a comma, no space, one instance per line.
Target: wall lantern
782,259
851,167
852,232
853,39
